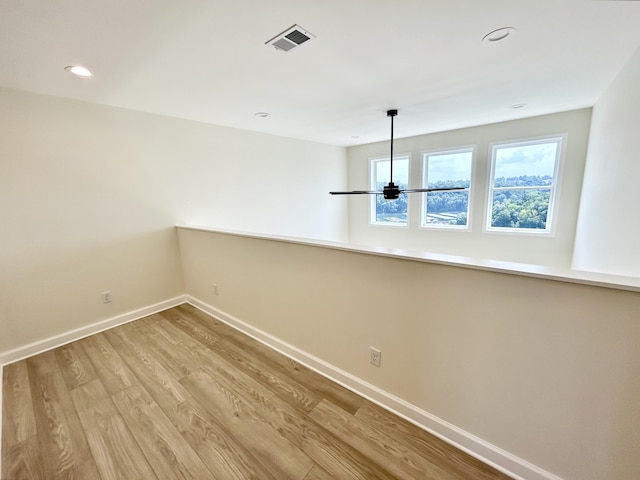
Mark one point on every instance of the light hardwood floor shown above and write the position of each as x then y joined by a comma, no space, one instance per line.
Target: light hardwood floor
181,395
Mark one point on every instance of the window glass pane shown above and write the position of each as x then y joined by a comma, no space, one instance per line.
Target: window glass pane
443,170
520,208
400,172
525,165
449,170
522,190
447,208
390,211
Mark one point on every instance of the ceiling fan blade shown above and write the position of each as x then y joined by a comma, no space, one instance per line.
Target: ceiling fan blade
392,191
357,192
426,190
408,190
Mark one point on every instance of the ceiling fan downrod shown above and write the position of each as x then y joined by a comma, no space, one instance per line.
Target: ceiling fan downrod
391,191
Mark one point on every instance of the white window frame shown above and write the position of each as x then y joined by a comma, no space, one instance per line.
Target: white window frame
425,181
554,190
372,184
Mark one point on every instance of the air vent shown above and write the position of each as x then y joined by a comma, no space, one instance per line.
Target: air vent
290,38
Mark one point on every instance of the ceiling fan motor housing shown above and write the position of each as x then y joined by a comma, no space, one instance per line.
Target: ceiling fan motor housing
391,191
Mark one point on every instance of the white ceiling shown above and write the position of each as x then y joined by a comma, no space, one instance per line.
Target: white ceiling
206,60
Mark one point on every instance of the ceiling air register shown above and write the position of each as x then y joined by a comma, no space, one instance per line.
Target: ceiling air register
291,38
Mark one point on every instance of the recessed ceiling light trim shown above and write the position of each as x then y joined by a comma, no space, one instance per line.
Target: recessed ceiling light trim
498,35
262,114
79,71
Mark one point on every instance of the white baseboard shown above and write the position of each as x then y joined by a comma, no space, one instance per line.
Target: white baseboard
40,346
498,458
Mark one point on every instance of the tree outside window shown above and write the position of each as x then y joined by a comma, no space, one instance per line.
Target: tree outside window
522,185
447,169
389,212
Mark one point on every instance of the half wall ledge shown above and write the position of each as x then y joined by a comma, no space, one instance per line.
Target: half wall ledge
618,282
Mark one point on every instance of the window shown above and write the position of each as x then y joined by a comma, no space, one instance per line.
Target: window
444,169
522,185
389,212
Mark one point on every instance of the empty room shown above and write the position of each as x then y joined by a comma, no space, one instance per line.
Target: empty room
320,240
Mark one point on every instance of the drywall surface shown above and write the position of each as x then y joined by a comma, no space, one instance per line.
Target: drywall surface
608,224
543,369
90,195
554,250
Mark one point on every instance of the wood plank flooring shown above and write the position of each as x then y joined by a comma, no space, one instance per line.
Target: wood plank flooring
181,395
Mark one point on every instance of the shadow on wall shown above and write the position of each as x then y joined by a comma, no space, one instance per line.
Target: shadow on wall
49,289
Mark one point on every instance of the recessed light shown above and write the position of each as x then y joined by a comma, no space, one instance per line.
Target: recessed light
79,70
354,136
498,34
262,114
518,105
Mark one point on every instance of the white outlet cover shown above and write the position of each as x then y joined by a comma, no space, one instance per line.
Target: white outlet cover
375,356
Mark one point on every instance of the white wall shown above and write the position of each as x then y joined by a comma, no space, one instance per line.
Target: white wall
550,251
546,370
609,224
260,183
90,195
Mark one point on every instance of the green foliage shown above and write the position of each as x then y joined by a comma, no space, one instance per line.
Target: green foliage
449,184
461,219
448,208
520,209
511,208
392,211
524,181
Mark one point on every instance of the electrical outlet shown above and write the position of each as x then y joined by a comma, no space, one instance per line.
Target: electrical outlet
215,289
375,355
106,297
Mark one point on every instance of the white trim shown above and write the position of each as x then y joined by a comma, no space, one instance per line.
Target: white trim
1,412
557,274
424,182
46,344
558,168
500,459
41,346
373,214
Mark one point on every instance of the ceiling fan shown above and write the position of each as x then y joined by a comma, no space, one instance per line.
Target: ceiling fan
391,191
